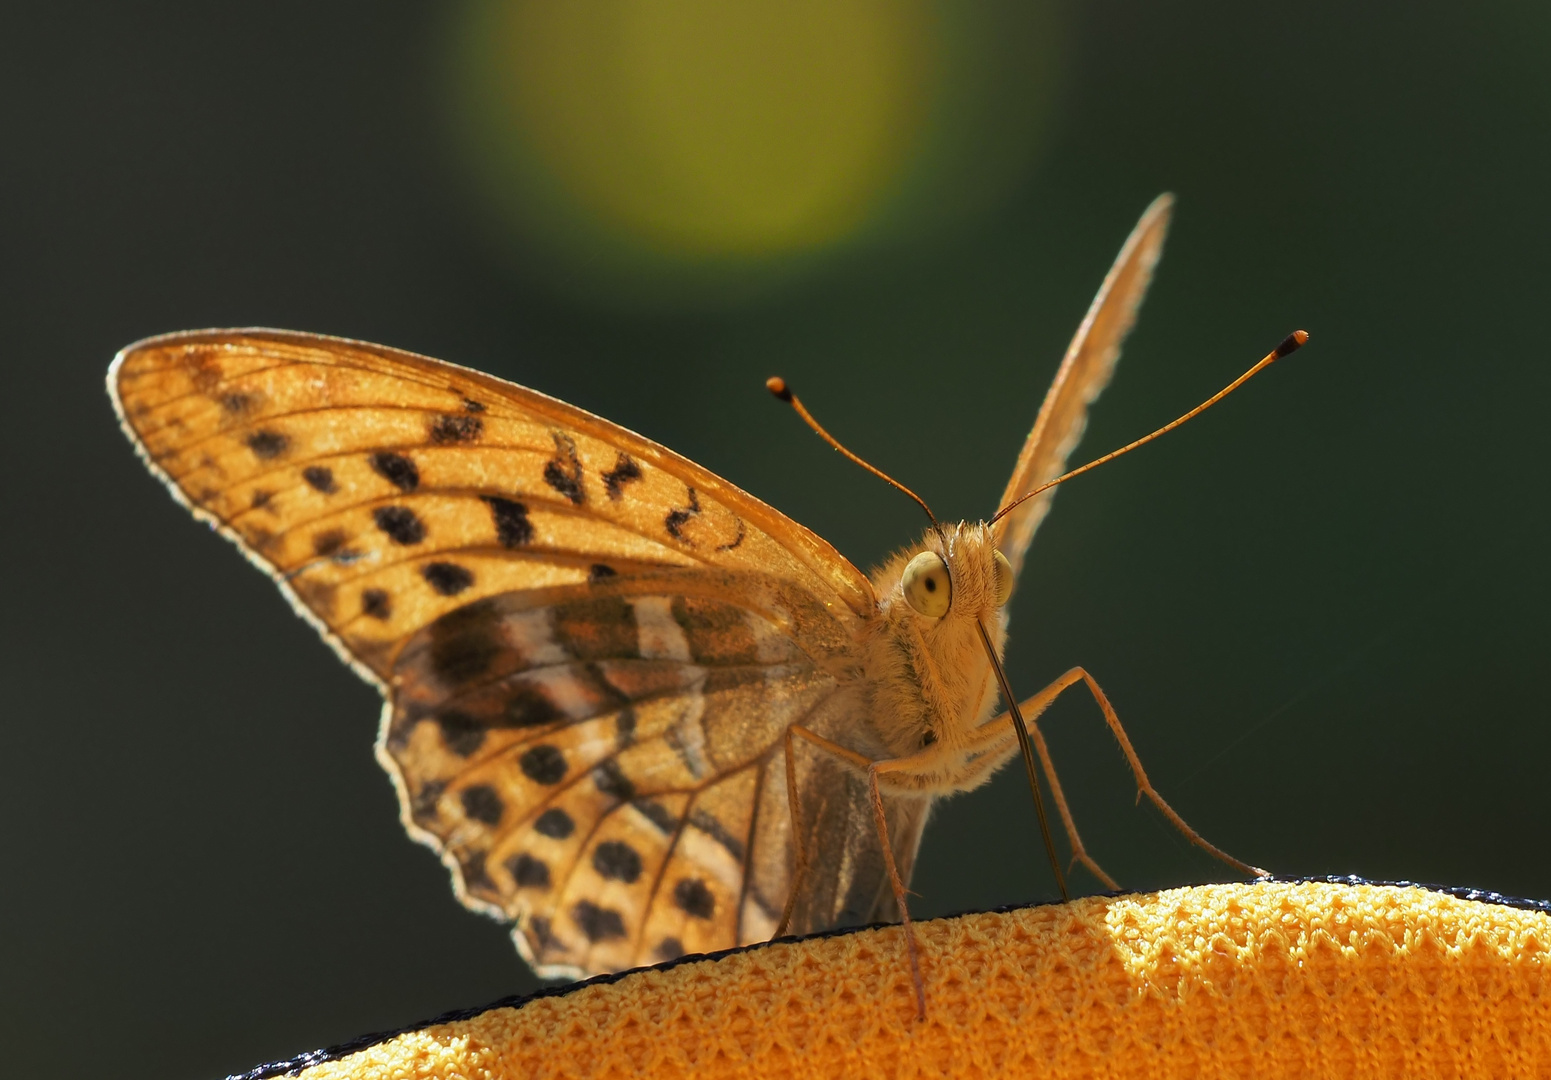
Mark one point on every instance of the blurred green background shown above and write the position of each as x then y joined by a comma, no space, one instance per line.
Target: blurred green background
1320,609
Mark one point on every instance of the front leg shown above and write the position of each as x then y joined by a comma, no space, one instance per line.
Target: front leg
799,849
1143,785
997,737
988,743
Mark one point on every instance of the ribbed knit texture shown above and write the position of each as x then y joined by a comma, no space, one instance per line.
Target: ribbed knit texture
1262,980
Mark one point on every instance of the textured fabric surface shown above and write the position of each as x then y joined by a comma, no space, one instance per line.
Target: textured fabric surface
1252,980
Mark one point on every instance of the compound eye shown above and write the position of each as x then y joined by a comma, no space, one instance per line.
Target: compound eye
1003,580
926,586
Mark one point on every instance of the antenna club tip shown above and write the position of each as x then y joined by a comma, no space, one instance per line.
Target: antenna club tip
1292,343
777,386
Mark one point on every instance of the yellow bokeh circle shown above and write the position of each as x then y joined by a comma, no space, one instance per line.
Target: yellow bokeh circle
727,131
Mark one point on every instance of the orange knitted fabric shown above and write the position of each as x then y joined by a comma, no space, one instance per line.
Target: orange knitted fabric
1257,980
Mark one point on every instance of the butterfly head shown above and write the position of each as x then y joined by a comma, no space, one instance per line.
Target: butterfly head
955,572
940,606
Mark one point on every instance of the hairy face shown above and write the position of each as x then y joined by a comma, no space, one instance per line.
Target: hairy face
953,574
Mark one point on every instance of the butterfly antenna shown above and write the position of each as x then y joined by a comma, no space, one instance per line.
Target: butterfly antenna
1290,344
777,386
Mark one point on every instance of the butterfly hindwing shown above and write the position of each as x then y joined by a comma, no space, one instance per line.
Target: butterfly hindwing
590,759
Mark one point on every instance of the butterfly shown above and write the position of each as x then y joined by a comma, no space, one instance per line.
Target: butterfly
636,711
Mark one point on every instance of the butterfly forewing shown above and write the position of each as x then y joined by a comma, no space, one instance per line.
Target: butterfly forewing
385,489
1084,373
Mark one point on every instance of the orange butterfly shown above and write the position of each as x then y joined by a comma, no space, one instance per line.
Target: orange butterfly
638,712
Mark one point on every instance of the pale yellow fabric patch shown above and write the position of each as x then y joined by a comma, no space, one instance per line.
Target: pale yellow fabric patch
1263,980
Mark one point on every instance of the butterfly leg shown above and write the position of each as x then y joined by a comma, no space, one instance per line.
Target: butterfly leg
799,847
1143,785
1079,853
899,888
872,768
997,737
1031,709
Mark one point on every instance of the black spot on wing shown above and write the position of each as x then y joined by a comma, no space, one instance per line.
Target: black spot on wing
528,872
447,579
529,706
470,405
422,806
610,779
267,444
475,878
600,572
615,860
465,642
554,823
539,930
320,478
461,733
261,497
736,540
512,526
203,368
448,429
396,469
658,814
670,948
400,523
624,471
693,898
597,924
715,830
376,604
624,728
563,472
329,542
678,518
481,803
237,402
543,764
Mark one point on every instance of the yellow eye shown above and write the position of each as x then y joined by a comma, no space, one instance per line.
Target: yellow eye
926,585
1003,579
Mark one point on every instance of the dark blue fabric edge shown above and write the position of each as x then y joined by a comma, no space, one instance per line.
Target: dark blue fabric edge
292,1066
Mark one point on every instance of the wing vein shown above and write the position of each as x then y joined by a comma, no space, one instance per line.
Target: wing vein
662,871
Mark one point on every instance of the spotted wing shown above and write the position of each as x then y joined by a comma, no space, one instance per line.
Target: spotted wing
571,624
1084,373
603,764
382,489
